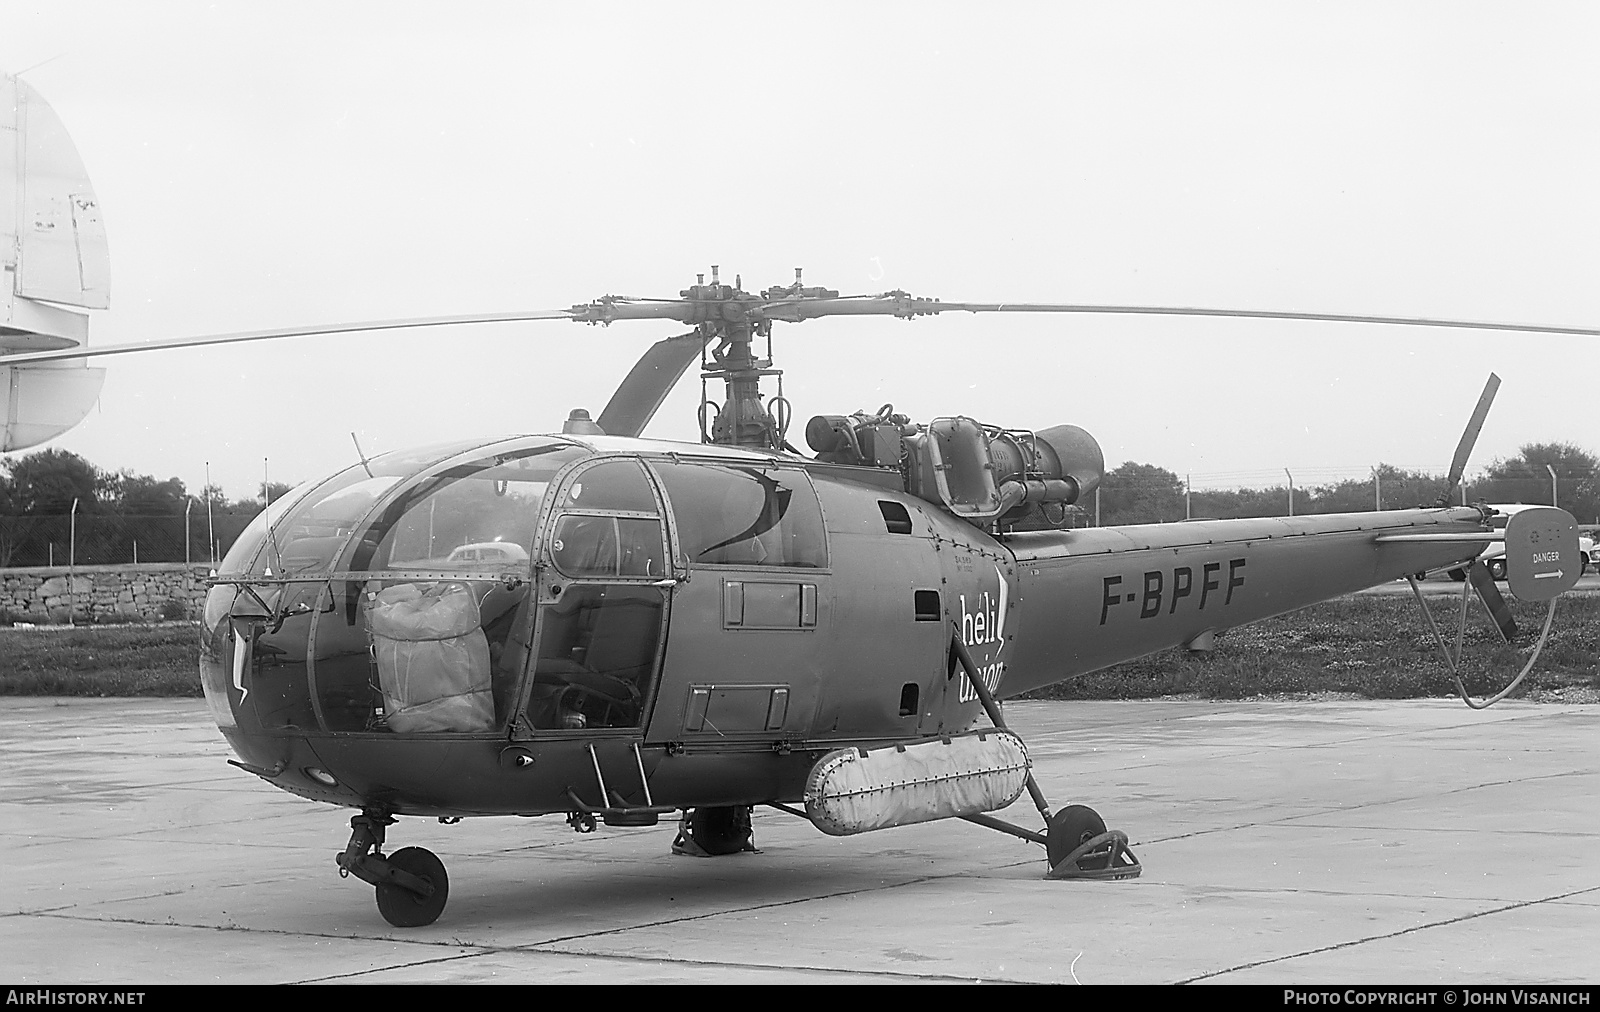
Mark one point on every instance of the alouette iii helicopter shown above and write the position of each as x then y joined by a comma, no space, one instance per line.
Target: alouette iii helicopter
612,628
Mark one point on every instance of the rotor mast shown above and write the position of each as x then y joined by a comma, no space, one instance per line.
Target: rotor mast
731,323
728,321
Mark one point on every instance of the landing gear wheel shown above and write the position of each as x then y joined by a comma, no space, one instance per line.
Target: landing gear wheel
713,832
1079,846
1497,569
1069,829
1458,575
404,908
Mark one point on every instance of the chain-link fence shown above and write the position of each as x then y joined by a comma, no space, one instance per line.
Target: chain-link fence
95,539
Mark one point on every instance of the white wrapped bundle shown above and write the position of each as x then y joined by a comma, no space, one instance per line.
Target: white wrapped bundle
433,659
854,791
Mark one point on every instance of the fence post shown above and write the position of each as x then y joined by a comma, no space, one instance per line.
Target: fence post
72,562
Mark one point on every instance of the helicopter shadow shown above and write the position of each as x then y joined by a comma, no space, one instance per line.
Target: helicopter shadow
624,881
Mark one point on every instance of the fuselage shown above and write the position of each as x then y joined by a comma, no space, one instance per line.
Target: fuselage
544,623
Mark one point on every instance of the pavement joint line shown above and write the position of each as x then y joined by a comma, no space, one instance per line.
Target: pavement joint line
1242,750
1356,808
918,880
243,929
65,913
57,911
1393,934
41,912
669,961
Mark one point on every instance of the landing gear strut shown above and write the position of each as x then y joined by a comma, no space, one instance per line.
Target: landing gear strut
713,832
1076,840
411,883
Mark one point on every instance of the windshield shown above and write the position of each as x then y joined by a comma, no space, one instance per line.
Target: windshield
494,498
477,514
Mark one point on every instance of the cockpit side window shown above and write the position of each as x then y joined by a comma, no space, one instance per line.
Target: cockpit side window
606,546
745,514
611,485
609,524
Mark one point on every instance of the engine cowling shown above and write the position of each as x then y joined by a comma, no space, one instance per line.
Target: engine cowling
981,473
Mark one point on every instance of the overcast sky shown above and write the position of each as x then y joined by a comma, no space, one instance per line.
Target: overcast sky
263,165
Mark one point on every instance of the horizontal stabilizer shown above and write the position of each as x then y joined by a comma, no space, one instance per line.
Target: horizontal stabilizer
1485,538
40,403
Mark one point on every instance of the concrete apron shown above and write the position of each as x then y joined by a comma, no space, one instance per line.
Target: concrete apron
1305,842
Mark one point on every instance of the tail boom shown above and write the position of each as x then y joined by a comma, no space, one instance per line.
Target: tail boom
1098,596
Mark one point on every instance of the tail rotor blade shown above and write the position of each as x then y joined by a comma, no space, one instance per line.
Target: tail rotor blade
1469,438
1490,595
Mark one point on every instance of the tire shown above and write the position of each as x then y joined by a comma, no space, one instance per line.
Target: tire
1069,828
719,831
1458,575
404,908
1497,569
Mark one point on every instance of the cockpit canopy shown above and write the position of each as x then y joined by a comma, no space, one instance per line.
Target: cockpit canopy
467,587
445,507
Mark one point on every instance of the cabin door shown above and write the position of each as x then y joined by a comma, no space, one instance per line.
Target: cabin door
603,584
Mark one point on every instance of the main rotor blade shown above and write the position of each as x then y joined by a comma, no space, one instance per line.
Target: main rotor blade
1458,465
280,332
907,306
647,384
1244,314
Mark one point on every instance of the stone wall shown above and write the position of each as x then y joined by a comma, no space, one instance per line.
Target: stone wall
143,593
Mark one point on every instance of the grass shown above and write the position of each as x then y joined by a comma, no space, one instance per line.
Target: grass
1373,646
124,660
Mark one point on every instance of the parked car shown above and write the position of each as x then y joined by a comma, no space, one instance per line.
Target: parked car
488,552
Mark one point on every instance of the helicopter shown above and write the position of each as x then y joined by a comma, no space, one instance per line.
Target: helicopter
613,628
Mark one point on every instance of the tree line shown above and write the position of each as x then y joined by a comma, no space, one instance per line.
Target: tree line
116,512
1136,493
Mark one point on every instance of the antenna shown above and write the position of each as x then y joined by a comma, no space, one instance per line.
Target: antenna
360,455
272,523
211,530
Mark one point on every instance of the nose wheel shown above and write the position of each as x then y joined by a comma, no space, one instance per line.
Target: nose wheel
411,883
404,907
